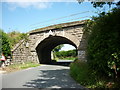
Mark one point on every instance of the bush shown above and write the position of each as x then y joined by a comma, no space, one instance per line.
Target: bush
103,50
102,69
64,54
81,73
15,37
5,45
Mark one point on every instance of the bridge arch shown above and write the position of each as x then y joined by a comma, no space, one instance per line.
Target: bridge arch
41,41
45,47
71,37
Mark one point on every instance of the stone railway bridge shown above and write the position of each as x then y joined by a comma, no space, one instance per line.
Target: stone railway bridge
41,41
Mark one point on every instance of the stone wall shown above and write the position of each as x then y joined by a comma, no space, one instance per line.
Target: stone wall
22,53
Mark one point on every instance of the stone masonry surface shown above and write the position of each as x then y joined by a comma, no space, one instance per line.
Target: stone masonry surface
25,51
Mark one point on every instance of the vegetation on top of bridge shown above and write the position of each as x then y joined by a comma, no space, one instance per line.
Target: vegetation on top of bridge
58,26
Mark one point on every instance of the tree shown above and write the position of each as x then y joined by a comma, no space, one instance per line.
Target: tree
5,45
15,37
101,4
103,50
65,54
57,49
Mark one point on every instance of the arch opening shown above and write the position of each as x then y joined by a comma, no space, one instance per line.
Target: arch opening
45,47
64,52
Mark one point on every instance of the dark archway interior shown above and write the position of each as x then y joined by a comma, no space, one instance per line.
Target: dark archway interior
45,47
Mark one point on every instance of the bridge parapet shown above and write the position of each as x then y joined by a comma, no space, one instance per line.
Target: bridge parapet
58,26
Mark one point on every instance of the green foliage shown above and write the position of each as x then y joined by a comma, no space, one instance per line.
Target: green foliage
103,51
58,27
81,73
64,54
15,37
5,45
15,67
56,49
7,41
68,58
102,69
101,4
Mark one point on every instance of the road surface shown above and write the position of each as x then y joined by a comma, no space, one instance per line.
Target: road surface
69,61
44,76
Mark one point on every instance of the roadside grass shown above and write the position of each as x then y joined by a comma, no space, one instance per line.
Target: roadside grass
16,67
80,72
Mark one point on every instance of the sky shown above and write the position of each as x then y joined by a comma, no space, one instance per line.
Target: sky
24,16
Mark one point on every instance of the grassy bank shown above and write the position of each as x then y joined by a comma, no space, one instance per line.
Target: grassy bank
82,74
16,67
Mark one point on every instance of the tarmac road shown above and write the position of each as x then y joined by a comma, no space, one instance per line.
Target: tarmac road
44,76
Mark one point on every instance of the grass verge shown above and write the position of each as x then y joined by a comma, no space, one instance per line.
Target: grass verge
82,74
16,67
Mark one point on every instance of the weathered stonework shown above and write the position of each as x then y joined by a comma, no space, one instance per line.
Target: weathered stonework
42,41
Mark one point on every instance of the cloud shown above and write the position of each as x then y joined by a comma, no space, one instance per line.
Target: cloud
25,0
37,5
38,0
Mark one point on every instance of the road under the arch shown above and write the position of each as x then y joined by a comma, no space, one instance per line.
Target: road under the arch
45,47
43,76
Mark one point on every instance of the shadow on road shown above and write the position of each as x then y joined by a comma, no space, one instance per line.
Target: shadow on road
53,79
